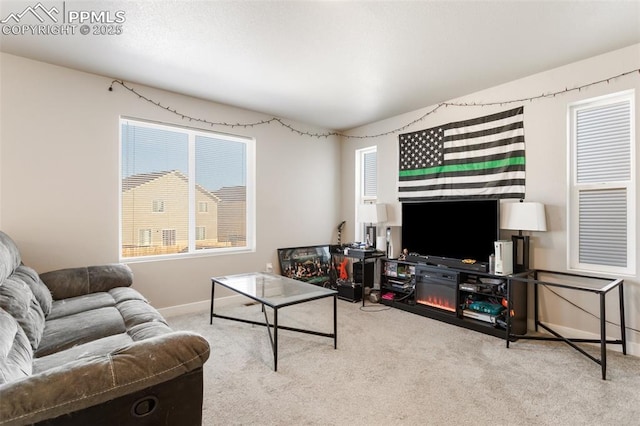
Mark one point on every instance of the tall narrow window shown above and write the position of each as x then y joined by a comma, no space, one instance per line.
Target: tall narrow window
184,191
369,173
366,182
602,187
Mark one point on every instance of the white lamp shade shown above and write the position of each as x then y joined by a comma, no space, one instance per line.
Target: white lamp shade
372,213
523,216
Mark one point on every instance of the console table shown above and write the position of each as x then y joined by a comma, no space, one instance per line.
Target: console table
597,285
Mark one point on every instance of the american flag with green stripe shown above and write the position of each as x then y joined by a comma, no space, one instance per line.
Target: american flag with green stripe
478,158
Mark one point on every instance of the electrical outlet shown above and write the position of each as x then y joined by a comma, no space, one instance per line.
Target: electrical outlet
269,267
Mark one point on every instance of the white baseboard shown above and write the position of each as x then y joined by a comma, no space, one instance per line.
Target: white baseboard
632,348
196,307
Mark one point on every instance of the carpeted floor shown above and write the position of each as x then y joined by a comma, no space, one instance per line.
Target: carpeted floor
393,367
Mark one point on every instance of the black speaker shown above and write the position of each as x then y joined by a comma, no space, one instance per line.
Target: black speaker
369,268
349,291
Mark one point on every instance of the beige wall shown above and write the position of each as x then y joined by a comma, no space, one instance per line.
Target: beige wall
546,149
60,187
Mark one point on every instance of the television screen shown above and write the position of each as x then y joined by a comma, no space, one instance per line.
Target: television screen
464,229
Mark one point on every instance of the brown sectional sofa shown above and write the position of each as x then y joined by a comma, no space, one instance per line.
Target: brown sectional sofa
80,346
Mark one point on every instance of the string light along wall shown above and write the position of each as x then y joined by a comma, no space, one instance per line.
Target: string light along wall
390,132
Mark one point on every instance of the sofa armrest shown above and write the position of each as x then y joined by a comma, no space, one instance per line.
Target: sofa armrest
90,381
72,282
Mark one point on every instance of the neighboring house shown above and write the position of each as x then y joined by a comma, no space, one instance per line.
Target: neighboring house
232,222
155,214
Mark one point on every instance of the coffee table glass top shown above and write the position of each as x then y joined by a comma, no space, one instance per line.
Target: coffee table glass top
273,290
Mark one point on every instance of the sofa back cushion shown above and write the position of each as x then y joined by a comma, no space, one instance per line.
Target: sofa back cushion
39,290
9,256
16,354
18,301
73,282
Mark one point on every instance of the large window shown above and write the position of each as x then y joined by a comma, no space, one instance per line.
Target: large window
184,191
602,185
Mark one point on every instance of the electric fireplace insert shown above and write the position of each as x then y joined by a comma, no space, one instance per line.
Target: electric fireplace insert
437,288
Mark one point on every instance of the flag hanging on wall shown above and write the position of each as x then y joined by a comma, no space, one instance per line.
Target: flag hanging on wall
478,158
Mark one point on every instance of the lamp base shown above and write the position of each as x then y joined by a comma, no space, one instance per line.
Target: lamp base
520,253
370,236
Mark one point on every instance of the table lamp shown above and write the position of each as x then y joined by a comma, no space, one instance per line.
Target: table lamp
522,216
370,215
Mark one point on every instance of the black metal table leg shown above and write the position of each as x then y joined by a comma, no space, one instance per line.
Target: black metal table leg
536,317
363,280
623,333
275,340
508,332
335,322
603,337
213,286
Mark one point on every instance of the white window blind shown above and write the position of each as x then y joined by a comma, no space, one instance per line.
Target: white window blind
601,207
603,143
603,227
184,191
370,174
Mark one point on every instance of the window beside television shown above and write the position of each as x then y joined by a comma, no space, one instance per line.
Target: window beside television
460,229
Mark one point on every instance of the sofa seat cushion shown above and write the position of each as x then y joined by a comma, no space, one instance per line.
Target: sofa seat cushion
90,349
135,312
101,346
65,332
148,330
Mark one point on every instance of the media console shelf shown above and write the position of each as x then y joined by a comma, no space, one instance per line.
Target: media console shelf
471,299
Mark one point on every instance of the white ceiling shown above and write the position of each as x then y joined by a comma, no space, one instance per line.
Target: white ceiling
334,64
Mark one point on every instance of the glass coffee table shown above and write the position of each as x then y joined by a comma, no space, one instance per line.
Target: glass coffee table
276,292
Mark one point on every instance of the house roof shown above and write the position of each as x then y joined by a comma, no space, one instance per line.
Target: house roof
232,193
137,180
134,181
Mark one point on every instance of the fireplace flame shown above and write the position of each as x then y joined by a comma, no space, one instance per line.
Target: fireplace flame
438,302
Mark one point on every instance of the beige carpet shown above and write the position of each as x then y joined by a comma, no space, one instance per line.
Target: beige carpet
393,367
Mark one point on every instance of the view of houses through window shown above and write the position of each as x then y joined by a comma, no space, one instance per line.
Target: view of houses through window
183,190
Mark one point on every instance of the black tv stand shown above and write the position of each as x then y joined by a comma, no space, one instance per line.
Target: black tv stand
403,281
448,262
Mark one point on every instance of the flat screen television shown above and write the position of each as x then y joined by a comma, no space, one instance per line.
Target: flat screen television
462,229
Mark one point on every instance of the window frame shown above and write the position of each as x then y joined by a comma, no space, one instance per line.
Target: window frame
250,181
361,185
577,188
